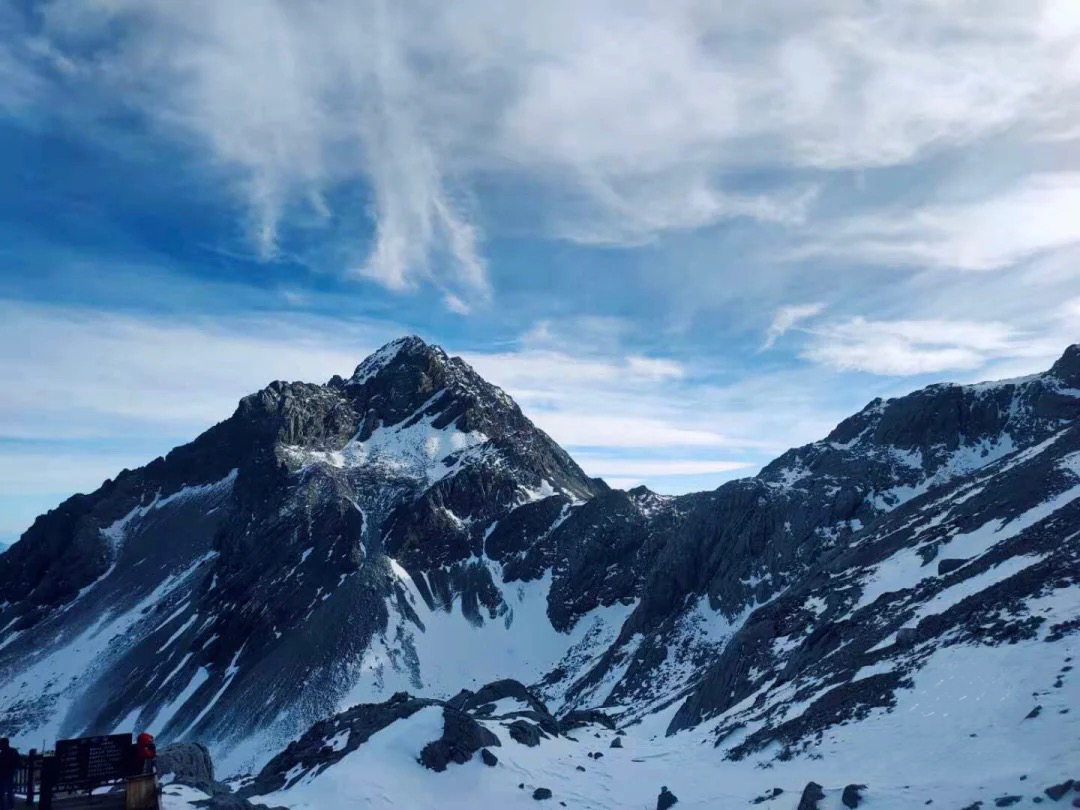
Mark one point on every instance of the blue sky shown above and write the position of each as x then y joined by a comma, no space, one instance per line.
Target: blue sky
684,236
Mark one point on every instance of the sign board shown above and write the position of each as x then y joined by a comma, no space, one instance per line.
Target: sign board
93,759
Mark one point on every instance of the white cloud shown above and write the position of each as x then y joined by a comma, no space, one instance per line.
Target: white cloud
909,347
788,317
586,429
30,473
654,367
635,118
1036,215
294,101
113,375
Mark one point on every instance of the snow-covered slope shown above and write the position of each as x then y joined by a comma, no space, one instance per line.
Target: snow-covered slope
704,562
333,559
409,530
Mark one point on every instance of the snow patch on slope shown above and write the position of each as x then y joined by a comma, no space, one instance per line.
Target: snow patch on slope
906,568
449,652
418,451
55,679
958,736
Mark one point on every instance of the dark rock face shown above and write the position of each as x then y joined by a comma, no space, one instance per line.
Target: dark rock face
504,689
314,748
948,566
811,795
1055,792
525,733
583,717
844,631
329,741
189,763
750,539
462,737
666,799
852,795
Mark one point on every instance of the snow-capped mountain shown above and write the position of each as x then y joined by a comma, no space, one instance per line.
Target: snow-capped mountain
286,575
292,559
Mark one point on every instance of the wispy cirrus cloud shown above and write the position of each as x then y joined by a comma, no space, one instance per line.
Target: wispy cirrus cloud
908,347
995,229
636,119
972,349
788,317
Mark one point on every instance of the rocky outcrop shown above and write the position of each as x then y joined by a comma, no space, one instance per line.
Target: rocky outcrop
467,729
666,799
852,795
584,717
811,795
329,741
462,737
1055,792
189,764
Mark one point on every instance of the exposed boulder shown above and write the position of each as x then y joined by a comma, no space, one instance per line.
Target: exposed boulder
617,742
811,795
585,717
502,689
462,737
525,733
851,796
1055,792
483,703
540,794
906,636
666,799
189,764
489,758
948,565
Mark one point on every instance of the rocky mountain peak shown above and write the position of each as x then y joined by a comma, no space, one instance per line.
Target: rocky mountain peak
409,376
407,351
1067,368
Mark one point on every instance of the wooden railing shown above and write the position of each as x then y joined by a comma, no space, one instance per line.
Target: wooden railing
28,776
39,779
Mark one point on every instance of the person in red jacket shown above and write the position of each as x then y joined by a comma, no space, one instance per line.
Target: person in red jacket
145,751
